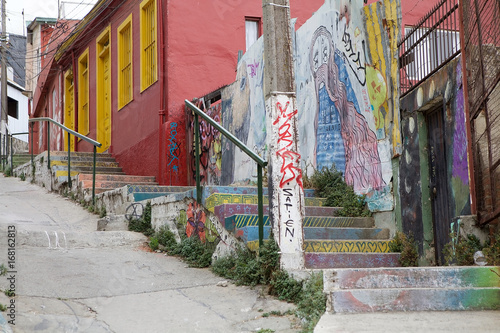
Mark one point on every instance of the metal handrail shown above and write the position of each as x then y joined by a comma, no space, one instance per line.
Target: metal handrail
260,162
70,131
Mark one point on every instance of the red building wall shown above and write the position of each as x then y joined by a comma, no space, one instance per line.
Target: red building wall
197,43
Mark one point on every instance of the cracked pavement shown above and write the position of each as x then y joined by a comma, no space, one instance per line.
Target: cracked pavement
71,278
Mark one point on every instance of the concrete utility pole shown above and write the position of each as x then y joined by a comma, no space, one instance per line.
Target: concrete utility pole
286,195
3,73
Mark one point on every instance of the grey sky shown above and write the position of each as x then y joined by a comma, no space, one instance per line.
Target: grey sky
42,8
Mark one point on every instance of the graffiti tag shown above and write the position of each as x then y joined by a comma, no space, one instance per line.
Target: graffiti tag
355,58
253,68
290,159
289,224
173,147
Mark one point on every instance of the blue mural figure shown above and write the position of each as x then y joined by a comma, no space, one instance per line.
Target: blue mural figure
354,151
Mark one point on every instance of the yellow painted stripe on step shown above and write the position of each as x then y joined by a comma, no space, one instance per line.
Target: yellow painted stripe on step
347,246
64,173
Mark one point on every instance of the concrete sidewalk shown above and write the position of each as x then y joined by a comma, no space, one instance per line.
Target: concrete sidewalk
411,322
89,281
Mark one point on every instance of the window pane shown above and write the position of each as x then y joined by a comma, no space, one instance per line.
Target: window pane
252,32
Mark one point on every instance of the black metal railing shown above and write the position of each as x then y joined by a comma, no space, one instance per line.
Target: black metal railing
428,46
70,132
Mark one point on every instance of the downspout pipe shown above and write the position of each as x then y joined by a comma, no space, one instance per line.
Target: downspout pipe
161,113
75,95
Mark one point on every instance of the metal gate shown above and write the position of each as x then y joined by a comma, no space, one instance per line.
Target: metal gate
438,182
481,44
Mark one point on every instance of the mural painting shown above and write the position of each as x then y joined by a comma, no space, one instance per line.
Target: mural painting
342,133
460,169
343,112
197,224
210,146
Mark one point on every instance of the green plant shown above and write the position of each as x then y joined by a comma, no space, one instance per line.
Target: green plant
9,293
143,224
312,303
285,287
3,307
22,176
102,211
153,243
225,267
167,239
194,252
266,330
405,245
462,253
7,172
269,259
492,251
246,268
32,172
329,184
3,270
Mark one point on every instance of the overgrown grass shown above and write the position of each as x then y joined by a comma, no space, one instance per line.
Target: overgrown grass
329,184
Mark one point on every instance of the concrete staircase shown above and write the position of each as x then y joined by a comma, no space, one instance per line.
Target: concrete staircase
109,175
20,159
412,289
329,241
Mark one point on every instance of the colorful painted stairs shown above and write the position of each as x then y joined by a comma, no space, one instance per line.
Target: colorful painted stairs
109,175
412,289
329,241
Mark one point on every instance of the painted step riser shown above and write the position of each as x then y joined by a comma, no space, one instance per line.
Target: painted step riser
87,169
115,178
422,277
240,221
78,154
149,196
373,246
374,300
248,234
217,199
63,160
105,184
340,246
106,164
159,189
351,260
228,210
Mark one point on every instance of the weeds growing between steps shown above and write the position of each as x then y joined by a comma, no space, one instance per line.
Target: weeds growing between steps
244,267
329,183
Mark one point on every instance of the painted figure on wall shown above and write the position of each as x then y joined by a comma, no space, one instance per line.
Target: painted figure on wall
342,133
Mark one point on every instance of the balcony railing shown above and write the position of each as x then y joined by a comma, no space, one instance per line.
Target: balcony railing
428,46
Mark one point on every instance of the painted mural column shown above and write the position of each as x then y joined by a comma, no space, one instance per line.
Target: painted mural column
286,195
